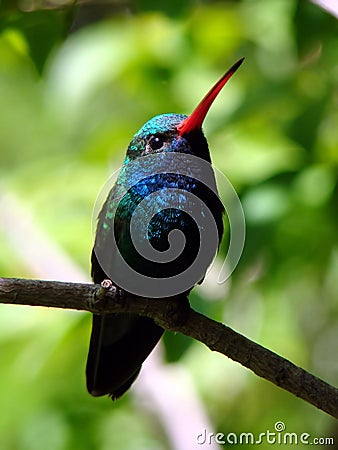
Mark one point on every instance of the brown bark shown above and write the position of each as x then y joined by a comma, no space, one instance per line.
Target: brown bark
181,318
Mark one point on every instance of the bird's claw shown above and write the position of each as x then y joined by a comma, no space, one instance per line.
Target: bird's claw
177,310
107,284
100,293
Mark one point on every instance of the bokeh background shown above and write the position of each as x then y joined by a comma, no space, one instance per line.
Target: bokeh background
76,82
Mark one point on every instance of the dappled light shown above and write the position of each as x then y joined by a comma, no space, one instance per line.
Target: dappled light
70,103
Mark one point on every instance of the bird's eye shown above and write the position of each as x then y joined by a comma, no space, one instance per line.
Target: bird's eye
156,143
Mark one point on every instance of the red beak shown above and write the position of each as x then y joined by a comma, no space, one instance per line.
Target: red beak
196,118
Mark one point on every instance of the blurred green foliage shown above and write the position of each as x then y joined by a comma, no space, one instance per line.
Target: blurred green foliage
68,108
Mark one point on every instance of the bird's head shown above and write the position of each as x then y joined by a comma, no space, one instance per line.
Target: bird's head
178,132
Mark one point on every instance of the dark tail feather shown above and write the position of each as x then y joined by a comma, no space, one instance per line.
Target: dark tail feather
118,346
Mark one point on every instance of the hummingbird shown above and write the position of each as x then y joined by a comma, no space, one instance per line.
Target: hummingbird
120,343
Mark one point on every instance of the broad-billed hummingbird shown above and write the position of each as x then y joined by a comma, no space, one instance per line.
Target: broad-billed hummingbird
121,342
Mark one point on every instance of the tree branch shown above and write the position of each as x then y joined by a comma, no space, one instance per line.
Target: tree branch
170,315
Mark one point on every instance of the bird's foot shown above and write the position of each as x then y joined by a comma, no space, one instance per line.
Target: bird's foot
101,291
107,284
177,310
